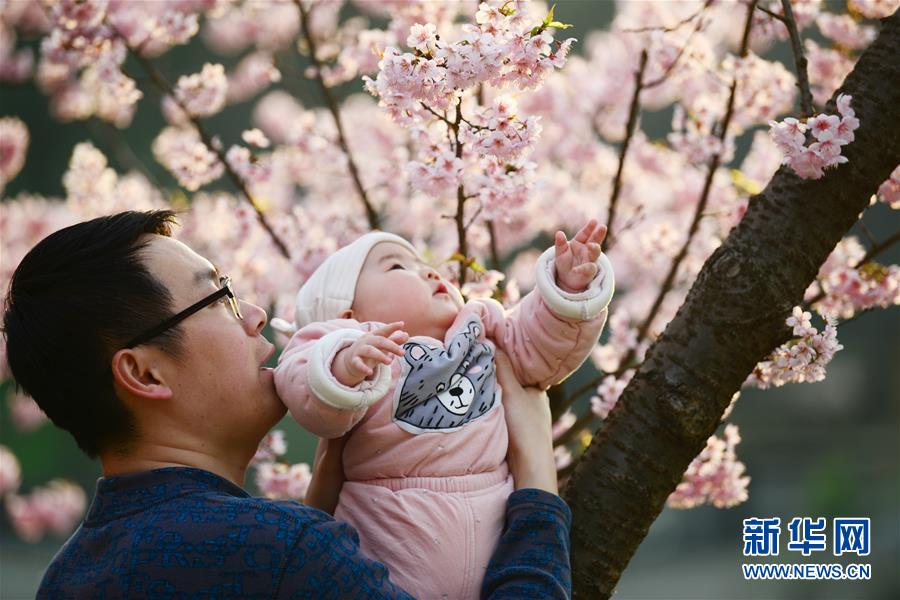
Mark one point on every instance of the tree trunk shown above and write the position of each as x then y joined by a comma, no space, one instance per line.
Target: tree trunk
732,318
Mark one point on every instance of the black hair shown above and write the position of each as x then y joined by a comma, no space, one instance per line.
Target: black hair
73,301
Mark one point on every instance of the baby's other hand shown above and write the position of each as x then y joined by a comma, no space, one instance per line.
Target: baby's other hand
576,260
358,361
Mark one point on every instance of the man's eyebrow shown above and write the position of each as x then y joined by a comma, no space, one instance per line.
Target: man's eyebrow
207,275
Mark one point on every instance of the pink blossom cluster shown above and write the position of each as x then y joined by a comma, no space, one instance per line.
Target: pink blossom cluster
94,189
16,65
184,154
82,56
439,176
802,359
55,508
26,415
154,27
203,94
13,148
268,25
827,68
497,131
498,49
82,40
889,191
503,188
873,9
608,393
283,481
253,74
622,338
845,31
10,472
830,133
849,286
271,447
715,476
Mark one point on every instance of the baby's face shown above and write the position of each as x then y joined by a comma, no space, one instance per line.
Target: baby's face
395,285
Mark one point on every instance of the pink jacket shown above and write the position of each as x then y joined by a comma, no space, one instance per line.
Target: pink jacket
436,411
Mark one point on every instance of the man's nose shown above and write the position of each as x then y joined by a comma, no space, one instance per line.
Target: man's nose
431,273
254,318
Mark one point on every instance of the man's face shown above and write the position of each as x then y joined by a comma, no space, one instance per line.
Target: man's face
221,393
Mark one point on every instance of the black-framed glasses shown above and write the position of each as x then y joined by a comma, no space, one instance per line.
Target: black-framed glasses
224,291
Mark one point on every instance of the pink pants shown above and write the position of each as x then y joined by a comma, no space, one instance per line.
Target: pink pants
435,534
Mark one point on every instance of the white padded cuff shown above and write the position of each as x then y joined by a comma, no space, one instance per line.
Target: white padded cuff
326,387
582,305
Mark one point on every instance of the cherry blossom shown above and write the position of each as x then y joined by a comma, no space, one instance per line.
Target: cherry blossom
608,393
10,472
271,447
844,30
848,288
182,152
889,191
282,481
13,148
203,94
253,74
26,415
715,476
830,132
873,9
55,508
803,359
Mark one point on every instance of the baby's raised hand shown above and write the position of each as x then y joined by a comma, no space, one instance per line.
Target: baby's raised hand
576,260
358,361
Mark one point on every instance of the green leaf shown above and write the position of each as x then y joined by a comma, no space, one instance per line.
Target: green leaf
506,10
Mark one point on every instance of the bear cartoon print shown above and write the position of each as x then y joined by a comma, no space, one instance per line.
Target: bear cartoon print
442,389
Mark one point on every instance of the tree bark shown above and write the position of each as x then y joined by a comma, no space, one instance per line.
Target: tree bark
732,318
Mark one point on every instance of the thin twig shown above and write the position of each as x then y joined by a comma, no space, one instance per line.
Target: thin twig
633,111
371,214
867,233
122,151
774,15
495,254
806,105
674,27
463,249
662,78
238,181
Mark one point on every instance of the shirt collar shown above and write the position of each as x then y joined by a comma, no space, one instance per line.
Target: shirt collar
118,496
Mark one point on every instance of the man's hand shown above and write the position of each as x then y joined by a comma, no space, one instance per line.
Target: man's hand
576,260
358,361
530,452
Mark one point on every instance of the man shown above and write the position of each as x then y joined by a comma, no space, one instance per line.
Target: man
139,348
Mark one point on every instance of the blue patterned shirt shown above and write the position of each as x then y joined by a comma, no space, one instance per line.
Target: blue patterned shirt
187,533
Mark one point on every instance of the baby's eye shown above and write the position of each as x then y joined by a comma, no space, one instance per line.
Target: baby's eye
395,266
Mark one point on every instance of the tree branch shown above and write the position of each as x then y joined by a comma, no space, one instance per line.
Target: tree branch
160,81
371,213
732,318
806,104
633,112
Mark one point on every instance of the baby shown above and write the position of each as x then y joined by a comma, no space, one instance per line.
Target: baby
384,348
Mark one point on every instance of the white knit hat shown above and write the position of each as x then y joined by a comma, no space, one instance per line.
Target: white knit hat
331,288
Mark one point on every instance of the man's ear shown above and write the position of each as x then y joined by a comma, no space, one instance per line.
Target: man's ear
347,314
135,371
